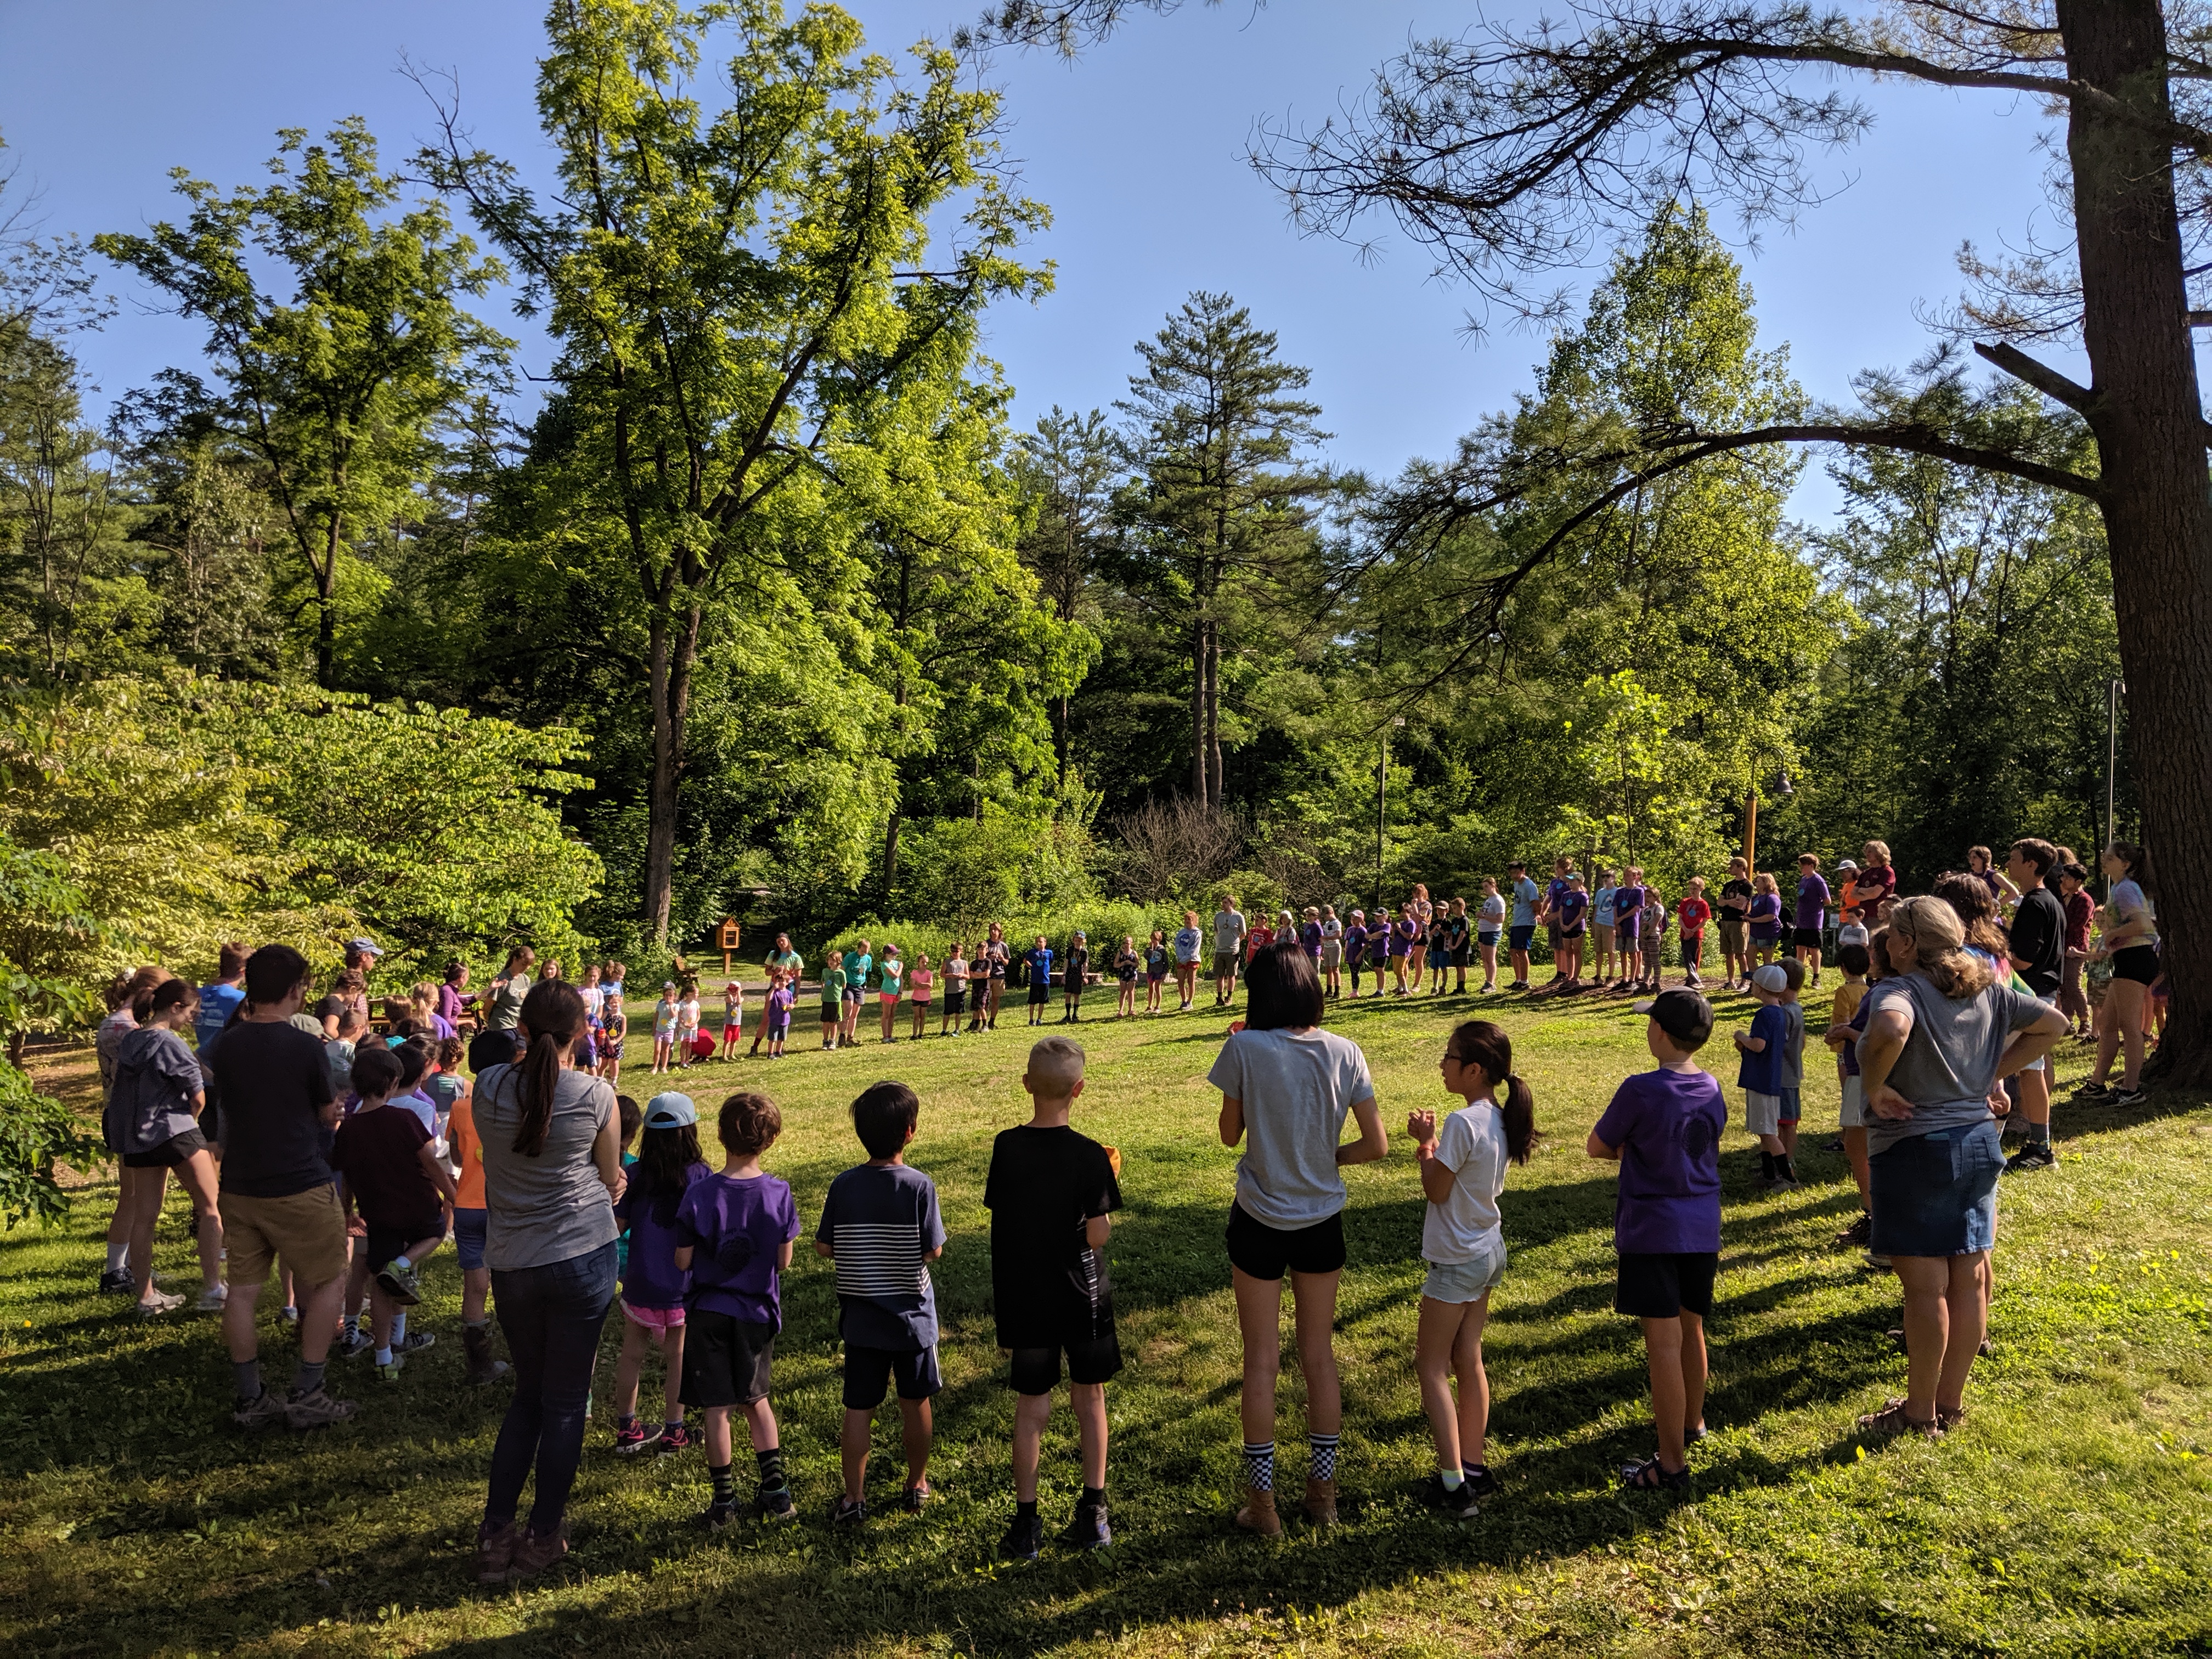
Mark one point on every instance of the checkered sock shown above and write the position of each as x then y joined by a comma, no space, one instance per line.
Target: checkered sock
1260,1465
1322,1453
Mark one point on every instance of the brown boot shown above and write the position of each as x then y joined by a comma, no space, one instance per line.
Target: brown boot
476,1346
1321,1502
495,1552
1258,1513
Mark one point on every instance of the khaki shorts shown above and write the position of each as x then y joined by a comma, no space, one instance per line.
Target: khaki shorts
1731,937
307,1229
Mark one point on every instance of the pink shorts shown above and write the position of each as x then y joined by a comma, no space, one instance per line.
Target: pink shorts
660,1321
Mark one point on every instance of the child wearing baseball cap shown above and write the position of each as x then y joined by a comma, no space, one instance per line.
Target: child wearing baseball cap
653,1286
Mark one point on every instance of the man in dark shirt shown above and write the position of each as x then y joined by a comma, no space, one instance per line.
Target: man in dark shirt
2037,951
1733,905
278,1198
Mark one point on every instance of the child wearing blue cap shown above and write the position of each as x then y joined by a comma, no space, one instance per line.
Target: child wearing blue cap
654,1284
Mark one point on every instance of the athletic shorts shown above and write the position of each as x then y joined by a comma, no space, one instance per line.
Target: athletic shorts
727,1360
1807,939
2138,962
1224,964
167,1154
1459,956
869,1371
854,994
887,996
1521,936
1762,1113
306,1229
1460,1282
658,1320
1853,1115
1263,1252
1040,993
779,1027
470,1227
831,1014
955,1002
1094,1360
388,1243
1651,1285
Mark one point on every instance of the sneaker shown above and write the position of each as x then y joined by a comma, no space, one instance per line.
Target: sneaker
159,1303
288,1316
1088,1530
317,1410
397,1279
1024,1539
719,1513
117,1281
2131,1098
2036,1155
212,1299
777,1505
1479,1481
352,1346
1857,1234
533,1554
495,1552
1459,1504
633,1439
914,1499
677,1439
849,1512
1877,1261
260,1412
2095,1092
389,1372
415,1342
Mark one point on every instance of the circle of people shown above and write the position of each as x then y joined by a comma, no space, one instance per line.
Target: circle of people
341,1161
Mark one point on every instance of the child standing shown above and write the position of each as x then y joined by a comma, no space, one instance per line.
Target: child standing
614,1027
1072,975
880,1225
1664,1128
1693,912
1332,954
1601,932
1489,924
887,990
1463,1240
471,1227
394,1180
782,992
1051,1192
1572,910
664,1027
921,986
955,991
1040,968
687,1022
1761,1073
734,1018
833,1000
734,1234
1654,937
1628,927
1844,1030
654,1285
1125,976
1156,968
1355,948
859,966
1765,918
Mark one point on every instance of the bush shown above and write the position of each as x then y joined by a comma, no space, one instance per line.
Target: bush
36,1133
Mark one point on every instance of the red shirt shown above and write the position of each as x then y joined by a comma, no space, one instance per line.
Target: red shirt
1693,912
2081,911
1871,891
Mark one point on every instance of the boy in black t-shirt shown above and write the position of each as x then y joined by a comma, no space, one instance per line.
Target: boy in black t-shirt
1050,1194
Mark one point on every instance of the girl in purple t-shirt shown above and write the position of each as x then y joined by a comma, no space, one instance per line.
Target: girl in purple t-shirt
668,1163
1766,917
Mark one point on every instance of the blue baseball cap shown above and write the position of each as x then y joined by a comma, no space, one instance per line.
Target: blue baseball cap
671,1111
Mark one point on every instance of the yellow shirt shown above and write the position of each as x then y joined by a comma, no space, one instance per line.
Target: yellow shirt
1846,1007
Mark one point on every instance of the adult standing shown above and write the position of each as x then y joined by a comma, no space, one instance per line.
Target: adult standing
1522,932
278,1198
1286,1086
2037,951
1810,927
1229,931
1874,889
1733,904
2130,944
222,996
785,961
454,995
1423,914
123,996
551,1144
1942,1035
495,1044
155,1105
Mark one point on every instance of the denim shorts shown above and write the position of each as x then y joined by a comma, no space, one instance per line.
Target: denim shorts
1464,1281
1519,937
469,1228
1937,1194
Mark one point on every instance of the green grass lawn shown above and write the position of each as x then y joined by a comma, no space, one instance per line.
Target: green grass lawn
2072,1514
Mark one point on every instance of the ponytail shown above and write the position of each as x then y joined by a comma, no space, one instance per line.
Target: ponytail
553,1015
1480,1042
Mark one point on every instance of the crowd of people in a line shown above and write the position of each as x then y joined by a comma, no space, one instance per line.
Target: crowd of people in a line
342,1161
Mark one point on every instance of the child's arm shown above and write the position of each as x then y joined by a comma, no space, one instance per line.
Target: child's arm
1754,1045
440,1176
1096,1230
1232,1119
1436,1181
782,1255
682,1257
1598,1149
1372,1143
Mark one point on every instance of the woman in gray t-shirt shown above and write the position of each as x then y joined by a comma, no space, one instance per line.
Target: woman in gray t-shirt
1286,1087
551,1147
1941,1037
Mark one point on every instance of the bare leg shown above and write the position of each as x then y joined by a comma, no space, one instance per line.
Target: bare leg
1089,1400
1436,1337
1259,1323
476,1289
628,1364
718,1435
1314,1311
1855,1149
1032,1413
196,1176
1474,1384
671,1356
915,1429
852,1451
145,1196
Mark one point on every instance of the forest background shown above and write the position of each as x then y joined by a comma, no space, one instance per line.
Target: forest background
762,606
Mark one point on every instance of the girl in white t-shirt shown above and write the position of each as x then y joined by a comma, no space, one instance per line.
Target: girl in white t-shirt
1463,1240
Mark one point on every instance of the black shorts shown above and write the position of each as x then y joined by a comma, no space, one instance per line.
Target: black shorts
388,1243
1265,1252
1459,956
868,1372
1806,938
955,1002
2138,962
727,1360
177,1149
1040,993
1094,1360
1662,1286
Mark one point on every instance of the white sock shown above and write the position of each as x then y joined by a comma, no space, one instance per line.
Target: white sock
399,1327
384,1356
1453,1479
119,1255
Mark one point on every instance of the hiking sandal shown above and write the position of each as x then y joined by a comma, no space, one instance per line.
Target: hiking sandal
1649,1474
1892,1421
1947,1419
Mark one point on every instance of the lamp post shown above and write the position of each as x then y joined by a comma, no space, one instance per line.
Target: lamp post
1381,799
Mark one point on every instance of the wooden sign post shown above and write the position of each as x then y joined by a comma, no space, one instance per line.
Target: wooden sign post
728,939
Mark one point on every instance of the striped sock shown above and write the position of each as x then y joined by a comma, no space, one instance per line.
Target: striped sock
1321,1453
1260,1465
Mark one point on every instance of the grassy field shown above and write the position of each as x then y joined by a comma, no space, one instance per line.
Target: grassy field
2072,1514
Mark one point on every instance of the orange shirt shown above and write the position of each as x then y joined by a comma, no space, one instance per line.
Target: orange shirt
467,1151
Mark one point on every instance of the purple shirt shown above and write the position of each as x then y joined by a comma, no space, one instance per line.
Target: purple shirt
1812,902
651,1277
779,1004
1309,936
1668,1125
1627,911
1571,905
1355,942
1402,934
1766,917
736,1229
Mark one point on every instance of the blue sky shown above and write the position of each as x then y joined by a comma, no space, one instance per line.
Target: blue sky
1137,148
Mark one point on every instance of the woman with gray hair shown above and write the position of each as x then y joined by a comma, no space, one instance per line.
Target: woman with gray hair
1941,1036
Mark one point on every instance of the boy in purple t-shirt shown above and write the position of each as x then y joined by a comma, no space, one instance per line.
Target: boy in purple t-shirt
1664,1129
736,1232
1627,920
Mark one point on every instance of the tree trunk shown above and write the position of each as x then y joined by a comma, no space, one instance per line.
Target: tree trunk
891,857
1213,796
326,592
672,650
1198,708
2148,420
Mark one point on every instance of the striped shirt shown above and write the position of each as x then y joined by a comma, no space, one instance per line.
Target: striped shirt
881,1222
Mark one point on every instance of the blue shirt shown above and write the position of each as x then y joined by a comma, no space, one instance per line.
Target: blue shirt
1761,1072
880,1222
217,1004
1524,902
1040,961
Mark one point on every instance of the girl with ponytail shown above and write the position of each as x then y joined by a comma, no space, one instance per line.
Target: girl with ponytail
1463,1240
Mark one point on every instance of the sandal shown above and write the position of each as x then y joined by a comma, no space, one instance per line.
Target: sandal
1691,1436
1649,1474
1892,1421
1949,1419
